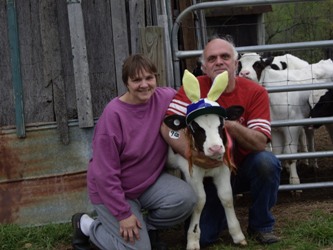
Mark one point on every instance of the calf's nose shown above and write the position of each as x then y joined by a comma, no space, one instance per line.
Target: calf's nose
244,73
215,149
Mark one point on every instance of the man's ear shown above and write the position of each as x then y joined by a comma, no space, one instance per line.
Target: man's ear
203,68
236,64
175,122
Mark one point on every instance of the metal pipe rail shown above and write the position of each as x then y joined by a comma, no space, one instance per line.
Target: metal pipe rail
301,122
262,48
177,54
299,87
303,186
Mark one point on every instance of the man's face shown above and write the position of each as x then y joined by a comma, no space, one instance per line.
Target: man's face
219,57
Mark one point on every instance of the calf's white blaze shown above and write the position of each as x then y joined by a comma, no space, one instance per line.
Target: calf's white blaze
210,123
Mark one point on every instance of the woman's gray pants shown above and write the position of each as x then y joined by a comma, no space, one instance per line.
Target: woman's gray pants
169,201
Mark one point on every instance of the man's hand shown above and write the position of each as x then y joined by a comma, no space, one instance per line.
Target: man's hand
203,161
129,229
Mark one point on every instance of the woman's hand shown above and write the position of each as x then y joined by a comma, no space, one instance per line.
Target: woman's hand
129,229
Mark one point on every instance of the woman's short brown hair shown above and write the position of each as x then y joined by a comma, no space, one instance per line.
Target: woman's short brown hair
135,64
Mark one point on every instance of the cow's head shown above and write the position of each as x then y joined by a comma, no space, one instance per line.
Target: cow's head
251,65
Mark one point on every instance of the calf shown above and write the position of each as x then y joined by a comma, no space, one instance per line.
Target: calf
324,108
204,124
292,105
253,66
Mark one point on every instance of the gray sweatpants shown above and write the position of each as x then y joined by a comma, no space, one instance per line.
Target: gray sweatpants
168,202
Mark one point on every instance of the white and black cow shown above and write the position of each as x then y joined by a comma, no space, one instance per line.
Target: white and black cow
251,65
324,108
292,105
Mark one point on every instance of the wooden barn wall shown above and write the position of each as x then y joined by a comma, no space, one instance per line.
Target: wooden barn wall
42,176
111,33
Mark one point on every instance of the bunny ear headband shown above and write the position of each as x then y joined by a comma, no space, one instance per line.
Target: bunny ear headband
207,105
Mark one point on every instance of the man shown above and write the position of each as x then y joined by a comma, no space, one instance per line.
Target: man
258,170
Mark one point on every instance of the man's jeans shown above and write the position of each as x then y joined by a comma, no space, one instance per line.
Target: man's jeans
258,174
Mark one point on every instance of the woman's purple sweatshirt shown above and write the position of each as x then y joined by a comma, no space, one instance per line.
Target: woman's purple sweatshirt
129,152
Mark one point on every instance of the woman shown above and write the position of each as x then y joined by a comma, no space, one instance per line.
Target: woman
125,174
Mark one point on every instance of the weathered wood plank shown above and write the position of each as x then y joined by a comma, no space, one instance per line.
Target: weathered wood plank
66,59
149,21
38,99
98,29
120,39
163,23
80,65
152,42
188,34
52,64
7,111
137,20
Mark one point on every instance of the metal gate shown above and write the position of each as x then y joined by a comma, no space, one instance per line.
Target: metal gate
182,54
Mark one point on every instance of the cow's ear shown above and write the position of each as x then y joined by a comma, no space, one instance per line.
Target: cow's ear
234,112
175,122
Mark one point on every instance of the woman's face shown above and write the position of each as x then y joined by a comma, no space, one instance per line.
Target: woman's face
141,87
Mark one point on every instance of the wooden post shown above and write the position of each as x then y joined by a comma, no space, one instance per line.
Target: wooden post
16,68
80,64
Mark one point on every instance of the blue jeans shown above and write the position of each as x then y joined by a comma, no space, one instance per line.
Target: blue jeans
259,174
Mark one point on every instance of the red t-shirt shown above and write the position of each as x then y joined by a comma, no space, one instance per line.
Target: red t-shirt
248,94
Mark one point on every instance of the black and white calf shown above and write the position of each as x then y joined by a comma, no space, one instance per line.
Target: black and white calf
324,108
204,124
291,105
208,135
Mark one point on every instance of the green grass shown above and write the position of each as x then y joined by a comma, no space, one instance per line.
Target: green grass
314,232
13,237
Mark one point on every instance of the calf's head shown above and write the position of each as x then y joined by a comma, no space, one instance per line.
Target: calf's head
251,65
204,120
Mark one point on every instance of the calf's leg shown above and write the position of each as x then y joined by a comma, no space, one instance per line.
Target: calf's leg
193,233
222,182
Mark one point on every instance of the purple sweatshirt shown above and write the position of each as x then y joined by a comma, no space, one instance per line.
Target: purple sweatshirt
129,152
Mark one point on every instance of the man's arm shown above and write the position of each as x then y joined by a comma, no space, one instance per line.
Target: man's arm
248,138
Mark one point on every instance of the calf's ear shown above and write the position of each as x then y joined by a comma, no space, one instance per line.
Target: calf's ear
234,112
175,122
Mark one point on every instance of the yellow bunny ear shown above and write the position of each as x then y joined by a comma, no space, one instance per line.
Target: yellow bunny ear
191,86
219,85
